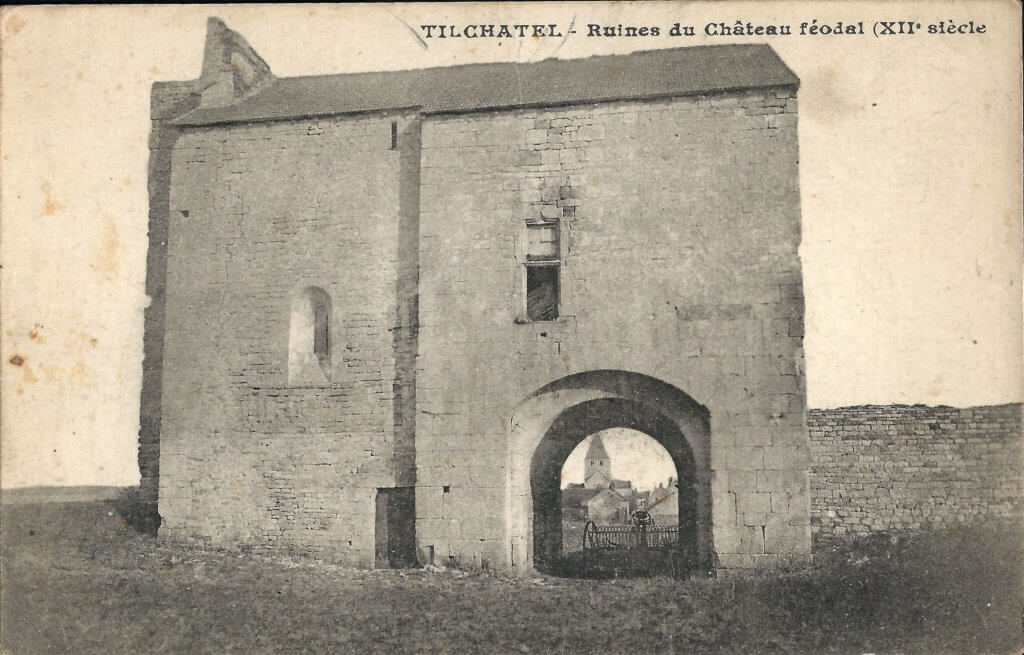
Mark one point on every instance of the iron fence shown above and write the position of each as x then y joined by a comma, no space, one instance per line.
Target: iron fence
628,537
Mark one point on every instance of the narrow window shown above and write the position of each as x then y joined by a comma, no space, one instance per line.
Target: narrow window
321,340
542,271
309,337
394,135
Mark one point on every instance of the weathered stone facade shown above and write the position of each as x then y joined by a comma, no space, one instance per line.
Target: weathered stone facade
167,102
298,465
680,307
896,468
679,262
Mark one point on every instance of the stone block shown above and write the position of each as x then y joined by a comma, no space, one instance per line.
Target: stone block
550,211
791,480
786,539
590,133
752,436
536,136
744,458
739,539
786,457
735,561
753,508
723,509
743,480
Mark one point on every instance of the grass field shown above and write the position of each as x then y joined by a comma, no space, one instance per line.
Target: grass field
77,579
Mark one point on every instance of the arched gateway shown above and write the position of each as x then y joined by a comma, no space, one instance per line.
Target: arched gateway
551,422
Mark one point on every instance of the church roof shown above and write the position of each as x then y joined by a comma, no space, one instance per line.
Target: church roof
596,449
649,74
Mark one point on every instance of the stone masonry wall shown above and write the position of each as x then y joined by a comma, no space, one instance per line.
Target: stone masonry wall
167,101
891,468
680,226
259,212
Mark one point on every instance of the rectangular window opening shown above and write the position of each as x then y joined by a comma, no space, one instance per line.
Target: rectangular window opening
542,292
394,135
543,265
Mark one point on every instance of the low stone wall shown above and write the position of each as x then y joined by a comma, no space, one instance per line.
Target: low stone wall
896,467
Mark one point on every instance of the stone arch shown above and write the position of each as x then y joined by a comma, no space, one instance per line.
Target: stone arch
553,420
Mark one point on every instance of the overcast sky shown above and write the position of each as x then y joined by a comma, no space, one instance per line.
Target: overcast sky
633,455
910,183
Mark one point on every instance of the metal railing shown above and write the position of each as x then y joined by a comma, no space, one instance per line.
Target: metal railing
642,534
605,537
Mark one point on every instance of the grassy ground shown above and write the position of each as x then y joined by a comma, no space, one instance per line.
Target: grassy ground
77,579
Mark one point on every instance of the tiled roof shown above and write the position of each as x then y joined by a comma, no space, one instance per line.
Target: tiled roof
660,500
478,87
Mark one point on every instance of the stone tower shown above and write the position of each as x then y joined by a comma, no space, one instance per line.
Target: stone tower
597,468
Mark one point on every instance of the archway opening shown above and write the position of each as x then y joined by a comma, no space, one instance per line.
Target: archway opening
609,477
627,422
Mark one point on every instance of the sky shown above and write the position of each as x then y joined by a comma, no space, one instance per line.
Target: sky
632,456
910,182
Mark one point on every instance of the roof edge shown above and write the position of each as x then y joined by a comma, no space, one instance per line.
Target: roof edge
191,120
632,53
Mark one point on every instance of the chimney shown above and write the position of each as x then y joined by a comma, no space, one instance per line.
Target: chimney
231,68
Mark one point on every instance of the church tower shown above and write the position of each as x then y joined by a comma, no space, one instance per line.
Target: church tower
597,467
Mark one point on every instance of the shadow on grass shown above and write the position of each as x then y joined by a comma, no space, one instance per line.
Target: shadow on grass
621,564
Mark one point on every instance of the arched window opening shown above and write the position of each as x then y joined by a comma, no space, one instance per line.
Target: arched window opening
309,338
